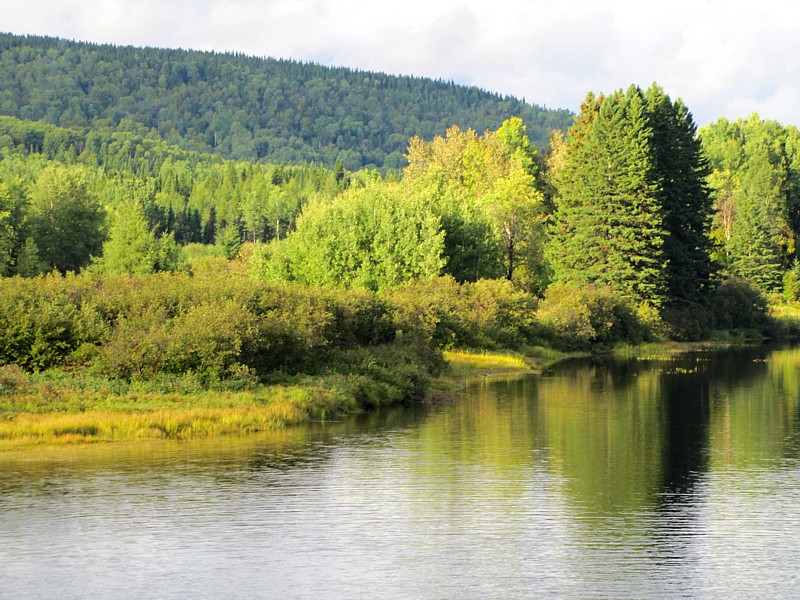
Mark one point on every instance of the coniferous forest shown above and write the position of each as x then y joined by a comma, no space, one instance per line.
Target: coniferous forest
243,107
175,222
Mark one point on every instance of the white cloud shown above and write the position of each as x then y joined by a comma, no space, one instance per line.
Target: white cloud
723,58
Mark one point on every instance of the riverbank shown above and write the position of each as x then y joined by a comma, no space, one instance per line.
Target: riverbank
74,411
66,411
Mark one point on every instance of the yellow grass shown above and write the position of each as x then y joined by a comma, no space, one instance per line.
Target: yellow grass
466,362
173,417
165,424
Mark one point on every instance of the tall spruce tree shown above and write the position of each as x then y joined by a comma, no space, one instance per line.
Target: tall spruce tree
609,226
686,203
632,208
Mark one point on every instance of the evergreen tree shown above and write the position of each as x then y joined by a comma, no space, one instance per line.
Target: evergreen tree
230,240
28,262
632,208
609,225
682,170
755,256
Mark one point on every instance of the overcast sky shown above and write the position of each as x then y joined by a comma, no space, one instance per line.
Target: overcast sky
724,58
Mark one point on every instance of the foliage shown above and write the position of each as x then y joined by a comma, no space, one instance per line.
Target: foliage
483,314
133,249
185,197
737,304
687,207
66,219
484,190
756,189
43,320
243,107
632,208
592,316
370,237
608,224
218,326
791,282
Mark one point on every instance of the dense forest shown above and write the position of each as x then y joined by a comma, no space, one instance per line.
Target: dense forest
133,257
243,107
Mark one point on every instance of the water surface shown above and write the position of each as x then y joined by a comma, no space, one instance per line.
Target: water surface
665,477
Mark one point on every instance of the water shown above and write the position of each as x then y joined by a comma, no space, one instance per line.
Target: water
630,479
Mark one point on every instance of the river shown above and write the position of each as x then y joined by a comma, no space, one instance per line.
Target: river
655,477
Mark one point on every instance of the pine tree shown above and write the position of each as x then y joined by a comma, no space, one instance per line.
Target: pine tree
755,254
632,207
682,169
609,224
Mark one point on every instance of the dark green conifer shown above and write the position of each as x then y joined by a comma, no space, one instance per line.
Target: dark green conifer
632,207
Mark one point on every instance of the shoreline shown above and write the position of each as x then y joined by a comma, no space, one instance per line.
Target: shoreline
107,418
97,417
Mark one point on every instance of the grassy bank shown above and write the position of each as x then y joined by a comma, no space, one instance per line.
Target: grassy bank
43,412
92,358
67,410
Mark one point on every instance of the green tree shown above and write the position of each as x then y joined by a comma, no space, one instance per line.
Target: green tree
65,218
687,207
230,240
370,236
28,262
132,248
755,184
7,233
485,192
633,210
130,242
609,225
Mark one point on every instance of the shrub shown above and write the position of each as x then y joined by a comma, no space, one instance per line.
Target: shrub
582,318
687,321
488,313
12,379
44,319
738,305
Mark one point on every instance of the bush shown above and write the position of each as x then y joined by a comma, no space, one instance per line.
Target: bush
687,321
791,283
583,318
738,305
44,319
488,313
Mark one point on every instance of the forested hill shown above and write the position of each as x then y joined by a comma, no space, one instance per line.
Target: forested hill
245,107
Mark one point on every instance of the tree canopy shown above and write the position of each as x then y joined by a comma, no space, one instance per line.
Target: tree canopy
486,193
755,184
632,209
245,107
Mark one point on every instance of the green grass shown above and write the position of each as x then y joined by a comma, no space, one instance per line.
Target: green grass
41,410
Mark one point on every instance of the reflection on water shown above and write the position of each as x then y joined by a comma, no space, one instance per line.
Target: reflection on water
648,478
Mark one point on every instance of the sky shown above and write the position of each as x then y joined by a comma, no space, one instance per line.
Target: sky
723,58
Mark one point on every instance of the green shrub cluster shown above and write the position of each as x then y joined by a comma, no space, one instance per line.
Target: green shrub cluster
739,305
219,326
582,318
485,314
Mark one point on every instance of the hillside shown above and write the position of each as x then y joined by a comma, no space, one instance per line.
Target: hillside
244,107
